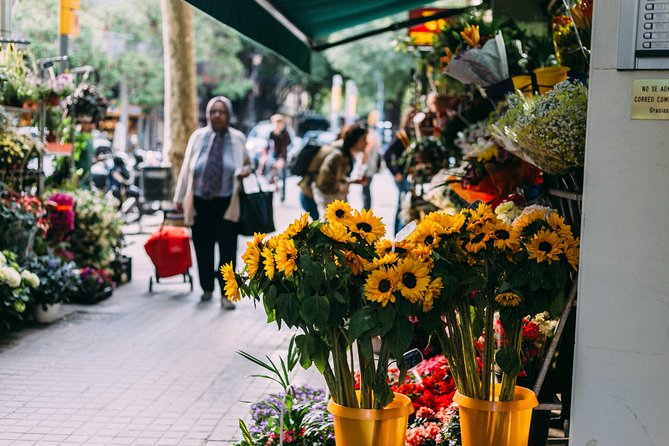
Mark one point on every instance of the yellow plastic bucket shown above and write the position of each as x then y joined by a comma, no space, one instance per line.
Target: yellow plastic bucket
523,83
495,423
372,427
547,77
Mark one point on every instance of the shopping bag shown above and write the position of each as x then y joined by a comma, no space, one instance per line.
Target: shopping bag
256,210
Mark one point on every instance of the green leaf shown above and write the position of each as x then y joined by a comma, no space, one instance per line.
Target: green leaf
321,355
387,316
305,349
508,360
316,310
399,338
288,308
362,320
339,297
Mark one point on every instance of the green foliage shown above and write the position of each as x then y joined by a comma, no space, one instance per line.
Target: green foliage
59,280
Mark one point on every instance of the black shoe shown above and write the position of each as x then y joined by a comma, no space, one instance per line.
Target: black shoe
206,296
226,304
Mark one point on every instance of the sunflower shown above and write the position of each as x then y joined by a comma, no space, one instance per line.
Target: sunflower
427,232
367,225
355,262
504,236
450,224
286,257
384,261
251,258
521,223
483,214
385,246
433,292
231,287
338,211
508,299
413,279
257,239
268,261
297,226
380,285
477,239
572,252
337,232
545,246
273,242
423,253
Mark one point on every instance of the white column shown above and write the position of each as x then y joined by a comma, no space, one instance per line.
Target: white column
620,393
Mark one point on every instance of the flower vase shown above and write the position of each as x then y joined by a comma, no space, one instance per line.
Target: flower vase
372,427
46,313
496,423
547,77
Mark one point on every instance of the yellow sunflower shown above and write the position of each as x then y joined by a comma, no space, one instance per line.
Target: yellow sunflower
413,279
367,225
505,237
384,261
257,239
380,285
483,214
338,211
572,252
478,238
545,246
449,224
525,220
251,258
508,299
423,253
385,246
286,257
298,225
231,286
268,262
274,241
427,232
355,262
337,232
433,292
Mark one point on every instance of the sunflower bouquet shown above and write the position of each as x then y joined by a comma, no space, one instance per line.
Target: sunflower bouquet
335,282
487,266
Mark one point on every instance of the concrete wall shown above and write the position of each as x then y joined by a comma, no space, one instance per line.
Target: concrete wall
621,377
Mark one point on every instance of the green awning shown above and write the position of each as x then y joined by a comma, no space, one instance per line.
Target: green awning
292,28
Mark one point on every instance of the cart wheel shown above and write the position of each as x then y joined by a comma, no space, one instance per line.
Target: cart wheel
150,285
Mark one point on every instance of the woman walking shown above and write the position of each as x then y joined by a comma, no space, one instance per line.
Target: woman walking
208,192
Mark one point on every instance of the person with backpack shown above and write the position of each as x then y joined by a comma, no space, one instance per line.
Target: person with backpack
327,177
393,158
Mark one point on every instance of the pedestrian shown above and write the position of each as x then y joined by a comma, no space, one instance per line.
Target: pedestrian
328,176
208,192
278,141
393,158
371,159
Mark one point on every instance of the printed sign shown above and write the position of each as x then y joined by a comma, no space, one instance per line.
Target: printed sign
650,99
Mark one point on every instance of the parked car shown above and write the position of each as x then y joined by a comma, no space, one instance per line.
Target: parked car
256,140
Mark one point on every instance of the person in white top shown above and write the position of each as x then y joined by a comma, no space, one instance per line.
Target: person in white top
371,159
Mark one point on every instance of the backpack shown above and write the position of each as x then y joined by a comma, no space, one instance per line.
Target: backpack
299,164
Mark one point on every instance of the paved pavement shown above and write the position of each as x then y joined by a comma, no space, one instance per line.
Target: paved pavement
147,369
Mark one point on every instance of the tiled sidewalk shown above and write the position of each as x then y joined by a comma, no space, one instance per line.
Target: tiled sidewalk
141,369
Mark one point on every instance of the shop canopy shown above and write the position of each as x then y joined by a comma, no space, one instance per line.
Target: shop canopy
293,28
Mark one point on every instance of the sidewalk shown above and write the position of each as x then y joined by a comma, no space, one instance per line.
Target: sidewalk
147,369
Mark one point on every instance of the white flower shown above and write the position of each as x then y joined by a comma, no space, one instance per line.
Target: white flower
31,278
3,259
11,276
508,211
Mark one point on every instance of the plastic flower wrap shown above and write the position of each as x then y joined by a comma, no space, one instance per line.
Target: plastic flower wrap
548,131
484,66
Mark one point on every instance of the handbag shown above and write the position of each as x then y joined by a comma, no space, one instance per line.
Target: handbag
256,210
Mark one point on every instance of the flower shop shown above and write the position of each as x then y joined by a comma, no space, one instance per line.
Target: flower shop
61,241
480,278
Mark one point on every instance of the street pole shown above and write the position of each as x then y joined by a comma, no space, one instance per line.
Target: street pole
6,19
64,41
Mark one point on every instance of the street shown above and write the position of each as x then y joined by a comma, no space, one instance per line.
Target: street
149,369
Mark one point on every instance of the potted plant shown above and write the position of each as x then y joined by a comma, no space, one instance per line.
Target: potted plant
59,281
491,269
86,103
21,217
313,277
15,287
95,285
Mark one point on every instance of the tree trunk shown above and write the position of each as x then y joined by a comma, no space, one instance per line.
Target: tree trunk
181,113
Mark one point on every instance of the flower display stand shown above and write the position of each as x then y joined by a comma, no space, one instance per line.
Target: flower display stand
372,427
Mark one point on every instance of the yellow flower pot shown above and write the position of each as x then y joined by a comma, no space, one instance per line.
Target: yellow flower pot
372,427
494,423
547,77
524,84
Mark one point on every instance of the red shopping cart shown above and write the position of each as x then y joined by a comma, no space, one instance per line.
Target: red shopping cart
169,250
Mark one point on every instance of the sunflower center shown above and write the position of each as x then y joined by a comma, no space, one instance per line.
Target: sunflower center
429,240
502,234
409,280
400,250
340,213
545,247
289,256
384,285
478,238
364,227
